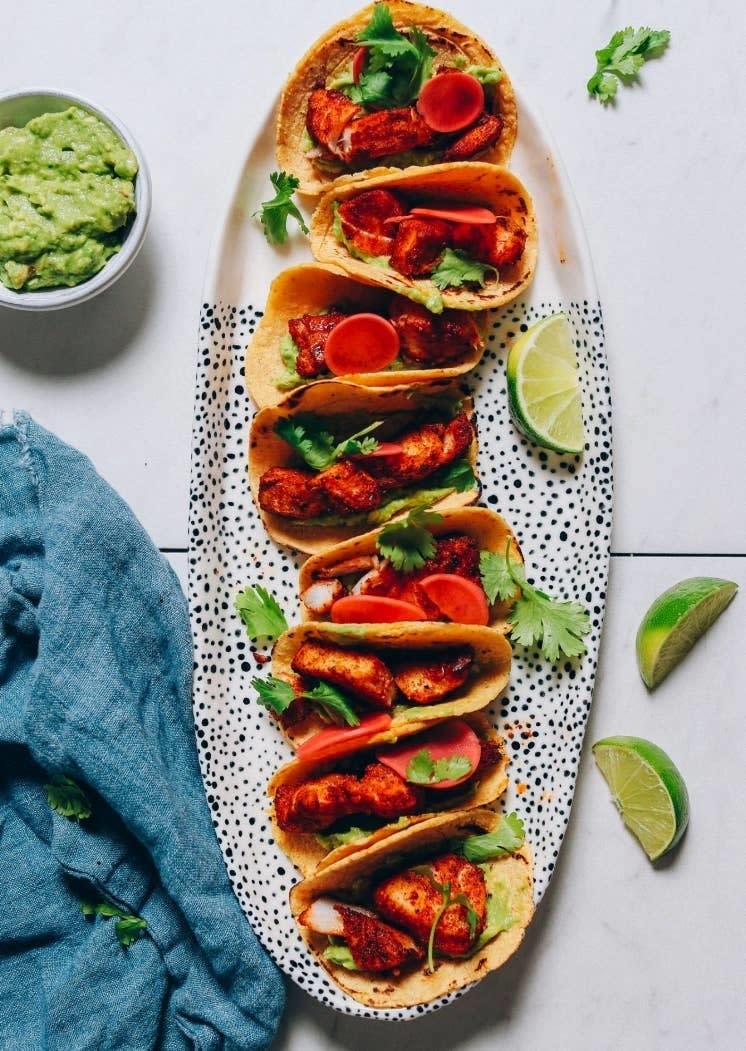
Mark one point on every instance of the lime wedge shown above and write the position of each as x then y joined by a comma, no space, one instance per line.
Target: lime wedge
675,621
543,388
648,790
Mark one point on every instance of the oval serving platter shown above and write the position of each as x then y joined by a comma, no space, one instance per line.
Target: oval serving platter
559,507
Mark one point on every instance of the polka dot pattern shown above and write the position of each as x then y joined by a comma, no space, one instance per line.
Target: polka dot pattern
560,508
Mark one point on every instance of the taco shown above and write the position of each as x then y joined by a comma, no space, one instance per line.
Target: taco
439,94
377,683
401,344
323,811
461,236
333,460
397,562
422,913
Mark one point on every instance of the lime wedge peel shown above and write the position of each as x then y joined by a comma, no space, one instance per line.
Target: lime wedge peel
647,789
675,621
543,386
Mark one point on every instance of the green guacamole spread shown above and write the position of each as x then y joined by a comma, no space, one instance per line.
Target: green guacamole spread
66,195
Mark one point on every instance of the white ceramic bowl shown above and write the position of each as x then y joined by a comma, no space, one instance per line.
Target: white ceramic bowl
16,109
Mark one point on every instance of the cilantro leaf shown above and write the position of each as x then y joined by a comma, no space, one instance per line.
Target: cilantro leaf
372,88
67,798
495,573
333,704
128,927
396,65
557,626
459,899
458,475
318,447
277,695
382,34
274,214
260,612
273,693
507,838
305,436
422,769
456,269
408,543
623,57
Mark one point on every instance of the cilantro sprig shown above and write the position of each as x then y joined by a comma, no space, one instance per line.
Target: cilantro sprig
261,613
396,66
456,269
274,214
623,57
277,695
317,446
506,839
408,543
68,799
128,927
536,618
422,769
447,900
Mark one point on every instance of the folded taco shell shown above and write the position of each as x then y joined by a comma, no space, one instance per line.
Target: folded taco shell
359,406
514,872
466,182
335,49
489,677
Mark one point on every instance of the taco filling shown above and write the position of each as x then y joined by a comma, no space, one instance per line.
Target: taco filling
453,555
340,684
358,478
448,906
434,770
402,96
452,244
315,345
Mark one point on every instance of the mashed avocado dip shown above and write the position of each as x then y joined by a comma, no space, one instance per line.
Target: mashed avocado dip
66,195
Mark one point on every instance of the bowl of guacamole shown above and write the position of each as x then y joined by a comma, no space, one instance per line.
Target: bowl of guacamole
74,199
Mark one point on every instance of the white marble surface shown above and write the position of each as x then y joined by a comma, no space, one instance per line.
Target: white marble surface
621,956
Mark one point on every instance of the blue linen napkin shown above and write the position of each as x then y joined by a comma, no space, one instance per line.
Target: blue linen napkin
95,684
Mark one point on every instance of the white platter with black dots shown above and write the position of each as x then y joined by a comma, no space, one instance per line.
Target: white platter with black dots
560,508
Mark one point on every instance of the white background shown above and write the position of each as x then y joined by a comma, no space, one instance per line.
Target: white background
621,955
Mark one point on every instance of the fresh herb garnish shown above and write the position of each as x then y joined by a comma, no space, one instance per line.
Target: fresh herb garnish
456,269
277,695
506,839
397,64
556,626
458,899
623,57
260,612
422,769
458,475
274,214
332,703
496,578
67,798
128,927
408,543
318,447
273,693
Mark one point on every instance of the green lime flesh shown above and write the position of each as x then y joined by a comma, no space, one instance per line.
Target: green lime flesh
675,621
648,791
543,386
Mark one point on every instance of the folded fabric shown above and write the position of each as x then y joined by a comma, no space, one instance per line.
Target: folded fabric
95,687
